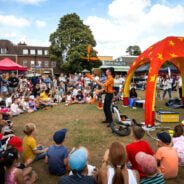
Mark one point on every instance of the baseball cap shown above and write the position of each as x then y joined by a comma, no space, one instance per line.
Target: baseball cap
59,136
164,137
16,142
147,162
78,159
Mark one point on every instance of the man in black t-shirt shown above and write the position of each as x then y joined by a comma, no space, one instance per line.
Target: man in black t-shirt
13,82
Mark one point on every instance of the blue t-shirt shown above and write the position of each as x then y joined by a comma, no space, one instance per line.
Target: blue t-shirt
56,156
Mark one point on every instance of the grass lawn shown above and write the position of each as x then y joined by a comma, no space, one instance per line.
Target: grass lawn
84,129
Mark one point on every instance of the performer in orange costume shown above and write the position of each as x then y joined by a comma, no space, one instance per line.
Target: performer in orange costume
108,88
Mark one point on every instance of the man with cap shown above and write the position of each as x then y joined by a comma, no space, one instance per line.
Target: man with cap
166,156
149,167
57,154
78,164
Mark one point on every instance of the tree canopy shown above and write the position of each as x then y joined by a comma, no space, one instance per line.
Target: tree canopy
134,50
69,45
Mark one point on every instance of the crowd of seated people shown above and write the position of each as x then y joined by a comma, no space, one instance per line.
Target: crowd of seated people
133,163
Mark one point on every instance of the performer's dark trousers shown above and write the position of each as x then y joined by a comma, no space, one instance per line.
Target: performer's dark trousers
107,107
180,92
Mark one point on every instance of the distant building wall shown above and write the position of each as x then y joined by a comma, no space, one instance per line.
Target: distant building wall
34,57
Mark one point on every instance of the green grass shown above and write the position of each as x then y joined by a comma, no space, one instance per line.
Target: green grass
84,129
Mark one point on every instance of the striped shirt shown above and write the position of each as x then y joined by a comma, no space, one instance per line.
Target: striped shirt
157,179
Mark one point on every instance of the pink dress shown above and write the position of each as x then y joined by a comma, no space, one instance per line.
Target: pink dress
10,177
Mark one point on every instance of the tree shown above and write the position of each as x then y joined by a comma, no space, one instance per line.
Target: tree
69,44
134,50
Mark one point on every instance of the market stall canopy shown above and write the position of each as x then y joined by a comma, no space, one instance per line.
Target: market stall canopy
145,68
8,64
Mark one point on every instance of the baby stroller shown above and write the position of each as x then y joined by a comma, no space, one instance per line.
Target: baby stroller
121,124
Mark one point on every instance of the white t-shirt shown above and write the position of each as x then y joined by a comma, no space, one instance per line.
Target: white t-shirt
178,144
167,84
110,174
91,169
180,82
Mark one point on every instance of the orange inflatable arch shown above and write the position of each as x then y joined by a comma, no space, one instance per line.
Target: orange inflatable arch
169,49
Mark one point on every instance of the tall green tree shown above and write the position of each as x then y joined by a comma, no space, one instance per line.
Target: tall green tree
69,45
133,50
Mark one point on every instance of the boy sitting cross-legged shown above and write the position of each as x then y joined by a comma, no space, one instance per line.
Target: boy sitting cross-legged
57,154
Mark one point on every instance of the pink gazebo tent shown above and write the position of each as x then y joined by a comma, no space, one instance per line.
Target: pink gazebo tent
8,64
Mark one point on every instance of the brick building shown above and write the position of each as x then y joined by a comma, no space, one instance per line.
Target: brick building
34,57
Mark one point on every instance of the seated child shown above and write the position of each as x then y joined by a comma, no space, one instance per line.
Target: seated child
138,145
57,154
32,151
178,143
14,108
25,105
79,97
78,165
149,167
10,174
88,98
69,99
32,104
166,156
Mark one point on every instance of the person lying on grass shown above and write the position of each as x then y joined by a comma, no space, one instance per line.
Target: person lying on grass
32,151
57,154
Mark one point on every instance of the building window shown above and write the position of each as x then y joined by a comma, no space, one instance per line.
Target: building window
25,63
45,52
32,52
53,64
32,63
3,50
39,64
46,63
39,52
25,51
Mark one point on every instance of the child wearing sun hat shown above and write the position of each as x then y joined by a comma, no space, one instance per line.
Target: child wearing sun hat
78,165
149,167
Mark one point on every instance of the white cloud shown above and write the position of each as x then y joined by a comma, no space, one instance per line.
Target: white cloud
40,23
13,21
32,2
134,22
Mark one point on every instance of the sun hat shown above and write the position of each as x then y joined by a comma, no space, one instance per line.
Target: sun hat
59,136
16,142
164,137
147,162
78,159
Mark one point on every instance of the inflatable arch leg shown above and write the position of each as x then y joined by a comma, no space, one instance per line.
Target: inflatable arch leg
150,94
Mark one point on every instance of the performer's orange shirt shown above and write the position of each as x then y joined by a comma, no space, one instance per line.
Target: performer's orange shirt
109,84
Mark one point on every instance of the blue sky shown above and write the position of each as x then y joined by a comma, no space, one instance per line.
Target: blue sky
116,24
